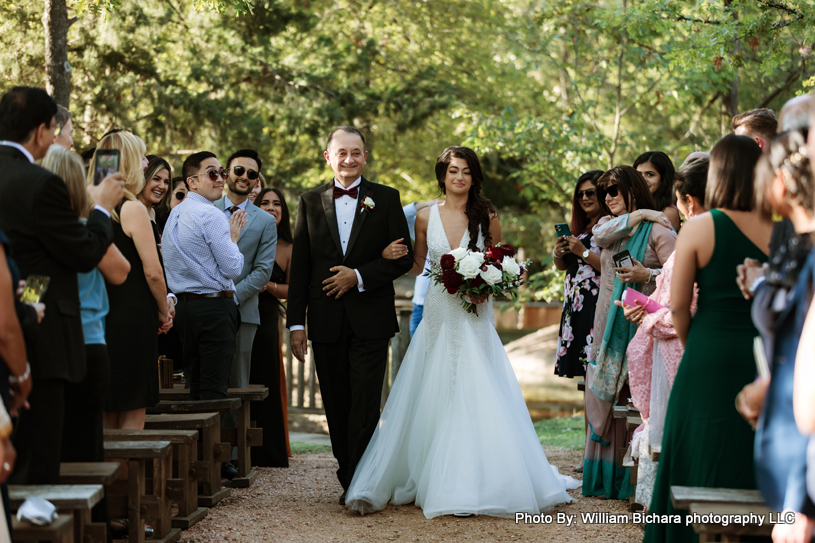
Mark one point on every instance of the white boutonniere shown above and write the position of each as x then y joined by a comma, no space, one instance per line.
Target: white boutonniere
367,204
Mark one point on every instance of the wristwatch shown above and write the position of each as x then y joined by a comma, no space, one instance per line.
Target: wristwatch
585,254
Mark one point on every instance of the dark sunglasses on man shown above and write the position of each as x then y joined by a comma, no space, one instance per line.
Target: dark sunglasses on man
240,170
214,174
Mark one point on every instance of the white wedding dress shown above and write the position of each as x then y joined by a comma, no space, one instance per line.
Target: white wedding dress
455,435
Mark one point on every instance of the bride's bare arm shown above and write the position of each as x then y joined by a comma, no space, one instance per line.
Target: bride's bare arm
420,246
495,230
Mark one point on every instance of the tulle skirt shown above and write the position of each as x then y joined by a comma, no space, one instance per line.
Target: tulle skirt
455,435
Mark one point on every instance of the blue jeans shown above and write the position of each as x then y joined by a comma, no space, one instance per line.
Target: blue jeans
415,318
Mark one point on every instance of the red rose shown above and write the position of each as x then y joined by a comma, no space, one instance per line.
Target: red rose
448,262
477,281
507,250
494,253
452,280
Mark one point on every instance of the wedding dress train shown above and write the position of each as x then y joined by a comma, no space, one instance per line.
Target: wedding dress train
455,435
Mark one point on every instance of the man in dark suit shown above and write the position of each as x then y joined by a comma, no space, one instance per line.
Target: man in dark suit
47,239
339,275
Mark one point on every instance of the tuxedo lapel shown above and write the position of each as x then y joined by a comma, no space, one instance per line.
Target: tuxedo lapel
331,214
219,203
359,215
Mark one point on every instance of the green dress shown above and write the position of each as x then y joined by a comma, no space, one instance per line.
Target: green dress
705,442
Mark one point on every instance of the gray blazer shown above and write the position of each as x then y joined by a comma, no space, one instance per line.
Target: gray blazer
258,244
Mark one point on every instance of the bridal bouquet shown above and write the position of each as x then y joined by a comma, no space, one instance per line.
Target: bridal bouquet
472,274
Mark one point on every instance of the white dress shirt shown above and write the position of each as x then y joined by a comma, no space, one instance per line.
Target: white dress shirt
199,255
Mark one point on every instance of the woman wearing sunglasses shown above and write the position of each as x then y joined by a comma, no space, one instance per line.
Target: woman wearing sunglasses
647,235
579,256
172,198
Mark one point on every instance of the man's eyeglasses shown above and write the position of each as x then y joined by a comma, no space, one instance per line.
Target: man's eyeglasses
214,174
590,194
240,170
612,191
180,195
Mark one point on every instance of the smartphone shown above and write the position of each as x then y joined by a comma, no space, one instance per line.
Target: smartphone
622,260
562,229
35,287
107,162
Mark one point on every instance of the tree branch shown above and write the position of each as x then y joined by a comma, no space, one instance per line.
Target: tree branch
692,20
791,78
695,121
782,7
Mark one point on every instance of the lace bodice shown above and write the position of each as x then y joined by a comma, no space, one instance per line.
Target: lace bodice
443,312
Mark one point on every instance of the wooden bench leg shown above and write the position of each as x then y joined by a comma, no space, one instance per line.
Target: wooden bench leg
187,485
246,475
135,490
213,453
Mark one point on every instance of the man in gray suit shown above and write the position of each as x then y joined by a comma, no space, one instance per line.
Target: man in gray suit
257,243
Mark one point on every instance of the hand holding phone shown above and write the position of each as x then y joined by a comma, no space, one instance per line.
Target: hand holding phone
106,163
623,260
562,229
34,290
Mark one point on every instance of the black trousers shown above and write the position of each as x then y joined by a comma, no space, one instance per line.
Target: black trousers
207,327
38,435
82,439
351,372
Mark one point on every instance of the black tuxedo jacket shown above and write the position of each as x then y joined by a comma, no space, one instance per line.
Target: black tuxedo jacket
48,239
317,248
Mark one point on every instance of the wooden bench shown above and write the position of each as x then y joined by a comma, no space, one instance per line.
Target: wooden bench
244,437
130,498
723,501
581,385
182,486
88,473
76,500
654,450
61,530
211,451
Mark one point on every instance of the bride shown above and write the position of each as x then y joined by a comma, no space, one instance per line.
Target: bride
455,436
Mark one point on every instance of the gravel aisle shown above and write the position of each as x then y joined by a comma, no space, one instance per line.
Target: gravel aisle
299,504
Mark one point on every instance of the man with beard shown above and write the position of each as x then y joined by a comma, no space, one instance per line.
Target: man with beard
257,243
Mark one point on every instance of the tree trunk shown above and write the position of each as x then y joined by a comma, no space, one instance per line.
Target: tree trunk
730,98
57,69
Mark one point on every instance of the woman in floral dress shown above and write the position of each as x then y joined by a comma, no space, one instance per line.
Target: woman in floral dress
579,255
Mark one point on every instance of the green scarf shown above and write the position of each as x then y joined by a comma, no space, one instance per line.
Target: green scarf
611,363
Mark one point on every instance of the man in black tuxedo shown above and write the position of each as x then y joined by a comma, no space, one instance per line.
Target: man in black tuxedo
47,239
339,275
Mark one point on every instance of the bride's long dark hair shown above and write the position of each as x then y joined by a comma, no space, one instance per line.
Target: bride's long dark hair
479,210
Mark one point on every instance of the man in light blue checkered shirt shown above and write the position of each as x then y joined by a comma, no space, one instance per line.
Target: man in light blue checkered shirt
201,260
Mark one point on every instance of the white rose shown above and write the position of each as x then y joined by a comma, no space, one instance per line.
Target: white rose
369,202
469,267
492,275
459,253
510,266
478,256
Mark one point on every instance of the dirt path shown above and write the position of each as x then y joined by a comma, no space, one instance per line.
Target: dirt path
299,504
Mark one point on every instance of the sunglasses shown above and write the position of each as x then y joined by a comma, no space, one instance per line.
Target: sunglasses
180,195
214,174
590,194
240,170
612,191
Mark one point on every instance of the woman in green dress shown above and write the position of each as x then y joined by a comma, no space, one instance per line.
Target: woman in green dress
705,441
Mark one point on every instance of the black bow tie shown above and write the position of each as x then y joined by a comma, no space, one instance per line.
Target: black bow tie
339,193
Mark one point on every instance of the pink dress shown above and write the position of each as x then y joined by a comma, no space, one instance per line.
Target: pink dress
653,358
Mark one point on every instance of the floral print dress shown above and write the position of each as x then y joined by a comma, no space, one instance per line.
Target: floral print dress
574,341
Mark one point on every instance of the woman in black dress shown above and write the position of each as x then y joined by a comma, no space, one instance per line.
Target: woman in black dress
138,307
267,360
579,255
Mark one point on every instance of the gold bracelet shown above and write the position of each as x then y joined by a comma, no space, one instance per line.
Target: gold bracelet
275,289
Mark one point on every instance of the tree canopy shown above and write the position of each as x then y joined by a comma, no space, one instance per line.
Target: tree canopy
542,90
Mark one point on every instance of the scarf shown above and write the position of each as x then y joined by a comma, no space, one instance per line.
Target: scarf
611,362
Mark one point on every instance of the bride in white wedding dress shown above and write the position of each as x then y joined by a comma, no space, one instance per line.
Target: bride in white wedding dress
455,436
